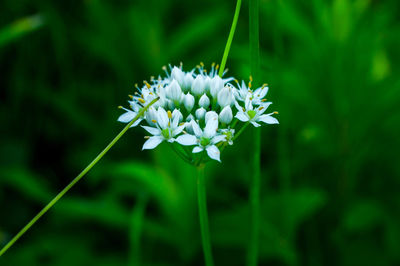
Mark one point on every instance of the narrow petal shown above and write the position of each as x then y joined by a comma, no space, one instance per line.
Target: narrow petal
187,140
268,119
127,117
213,152
152,142
218,138
196,129
162,118
137,122
176,118
152,130
211,127
242,117
255,124
178,130
240,108
197,149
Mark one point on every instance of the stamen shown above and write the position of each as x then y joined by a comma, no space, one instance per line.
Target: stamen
146,137
147,84
201,64
276,113
141,100
169,114
181,124
120,107
130,96
264,100
217,67
213,64
260,108
154,121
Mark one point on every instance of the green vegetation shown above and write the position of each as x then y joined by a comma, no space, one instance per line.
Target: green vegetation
330,176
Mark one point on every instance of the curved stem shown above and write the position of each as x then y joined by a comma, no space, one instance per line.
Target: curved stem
230,38
74,181
252,255
203,215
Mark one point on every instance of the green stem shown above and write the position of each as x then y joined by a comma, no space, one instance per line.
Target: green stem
241,130
74,181
203,215
252,255
230,38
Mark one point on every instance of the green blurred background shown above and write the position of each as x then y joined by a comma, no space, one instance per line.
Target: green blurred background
330,170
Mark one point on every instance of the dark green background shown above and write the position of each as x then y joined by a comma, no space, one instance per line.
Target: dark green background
330,170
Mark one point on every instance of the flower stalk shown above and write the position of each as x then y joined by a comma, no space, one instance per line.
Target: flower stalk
203,214
252,255
75,180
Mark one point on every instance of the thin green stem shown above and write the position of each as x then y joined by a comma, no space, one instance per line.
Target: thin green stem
203,215
252,255
74,181
230,38
181,154
241,130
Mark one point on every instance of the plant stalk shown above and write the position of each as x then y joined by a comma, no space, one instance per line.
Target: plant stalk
252,255
203,216
230,38
74,181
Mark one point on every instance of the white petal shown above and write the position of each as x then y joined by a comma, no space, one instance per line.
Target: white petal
209,115
218,138
268,119
187,140
240,108
196,129
197,149
152,142
152,130
178,130
176,116
211,127
242,117
127,117
162,118
137,122
255,124
213,152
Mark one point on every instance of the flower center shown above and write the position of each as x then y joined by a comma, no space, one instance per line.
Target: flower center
165,132
204,141
251,113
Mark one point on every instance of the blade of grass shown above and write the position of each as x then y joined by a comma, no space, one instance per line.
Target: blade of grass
74,181
230,38
252,255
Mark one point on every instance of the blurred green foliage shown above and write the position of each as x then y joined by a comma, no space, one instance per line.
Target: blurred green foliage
330,170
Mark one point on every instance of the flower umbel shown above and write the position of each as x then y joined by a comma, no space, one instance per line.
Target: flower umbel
197,108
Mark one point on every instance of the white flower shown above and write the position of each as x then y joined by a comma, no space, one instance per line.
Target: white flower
208,138
225,96
198,85
178,75
226,116
129,115
254,115
216,85
167,128
204,101
200,113
188,102
174,92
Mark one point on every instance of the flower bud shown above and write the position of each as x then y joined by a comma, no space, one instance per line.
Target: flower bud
207,83
226,115
188,102
210,115
178,75
174,92
216,85
187,82
225,97
204,101
200,113
198,85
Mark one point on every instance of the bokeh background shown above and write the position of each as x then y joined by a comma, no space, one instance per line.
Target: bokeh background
330,170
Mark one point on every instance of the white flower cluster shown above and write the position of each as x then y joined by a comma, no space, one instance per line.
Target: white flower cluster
197,108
